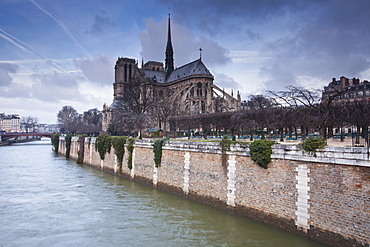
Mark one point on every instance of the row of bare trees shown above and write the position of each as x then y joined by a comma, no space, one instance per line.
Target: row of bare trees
286,112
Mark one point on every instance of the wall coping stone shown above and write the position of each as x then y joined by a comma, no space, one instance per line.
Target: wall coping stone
354,156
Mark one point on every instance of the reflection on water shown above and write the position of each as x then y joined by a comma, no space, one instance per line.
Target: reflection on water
48,200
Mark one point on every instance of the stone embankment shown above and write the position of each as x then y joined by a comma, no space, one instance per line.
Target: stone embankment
325,196
19,140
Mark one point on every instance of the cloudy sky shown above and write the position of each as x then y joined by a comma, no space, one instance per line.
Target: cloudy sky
62,52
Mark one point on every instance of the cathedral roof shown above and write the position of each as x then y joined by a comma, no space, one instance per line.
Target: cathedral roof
196,67
155,75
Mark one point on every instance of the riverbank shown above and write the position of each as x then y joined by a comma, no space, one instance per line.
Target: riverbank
322,196
22,140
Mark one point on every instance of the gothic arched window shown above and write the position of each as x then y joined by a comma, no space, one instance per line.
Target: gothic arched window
199,89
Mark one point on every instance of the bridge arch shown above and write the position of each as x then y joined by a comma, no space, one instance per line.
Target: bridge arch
8,136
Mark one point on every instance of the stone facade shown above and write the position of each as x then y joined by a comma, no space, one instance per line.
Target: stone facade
326,198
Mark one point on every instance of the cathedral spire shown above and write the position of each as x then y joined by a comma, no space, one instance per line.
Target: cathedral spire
169,51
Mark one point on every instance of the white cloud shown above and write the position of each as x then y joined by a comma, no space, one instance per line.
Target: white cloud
56,86
99,69
16,90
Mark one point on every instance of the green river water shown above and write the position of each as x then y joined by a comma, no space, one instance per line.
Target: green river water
48,200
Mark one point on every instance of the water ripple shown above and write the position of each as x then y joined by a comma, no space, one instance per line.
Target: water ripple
48,200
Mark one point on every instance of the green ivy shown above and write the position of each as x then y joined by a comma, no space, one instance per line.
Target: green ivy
68,139
118,144
103,144
225,144
130,149
55,141
157,149
311,145
261,151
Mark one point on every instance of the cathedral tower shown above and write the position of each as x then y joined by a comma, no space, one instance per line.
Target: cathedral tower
125,71
169,51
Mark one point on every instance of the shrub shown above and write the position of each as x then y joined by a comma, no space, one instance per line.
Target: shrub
311,145
261,151
157,149
130,149
55,142
225,144
118,143
103,144
68,144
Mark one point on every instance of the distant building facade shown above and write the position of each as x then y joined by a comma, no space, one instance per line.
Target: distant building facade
10,123
47,128
346,89
191,86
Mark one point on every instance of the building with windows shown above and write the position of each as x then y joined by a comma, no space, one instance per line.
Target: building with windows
191,87
10,123
346,89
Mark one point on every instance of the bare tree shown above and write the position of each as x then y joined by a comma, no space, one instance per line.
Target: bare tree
305,103
359,117
125,121
132,111
261,111
138,95
29,123
93,117
165,105
68,119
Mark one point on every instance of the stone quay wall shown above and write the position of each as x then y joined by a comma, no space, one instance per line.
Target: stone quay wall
325,196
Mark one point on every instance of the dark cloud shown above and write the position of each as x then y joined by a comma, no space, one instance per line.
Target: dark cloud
101,22
250,35
5,70
317,39
225,81
334,43
279,78
218,16
212,52
99,69
185,44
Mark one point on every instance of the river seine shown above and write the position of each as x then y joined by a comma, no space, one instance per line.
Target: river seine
48,200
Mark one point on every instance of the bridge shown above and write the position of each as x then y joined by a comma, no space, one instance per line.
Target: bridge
7,136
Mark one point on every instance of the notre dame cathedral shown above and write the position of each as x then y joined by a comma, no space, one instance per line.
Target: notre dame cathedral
191,86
